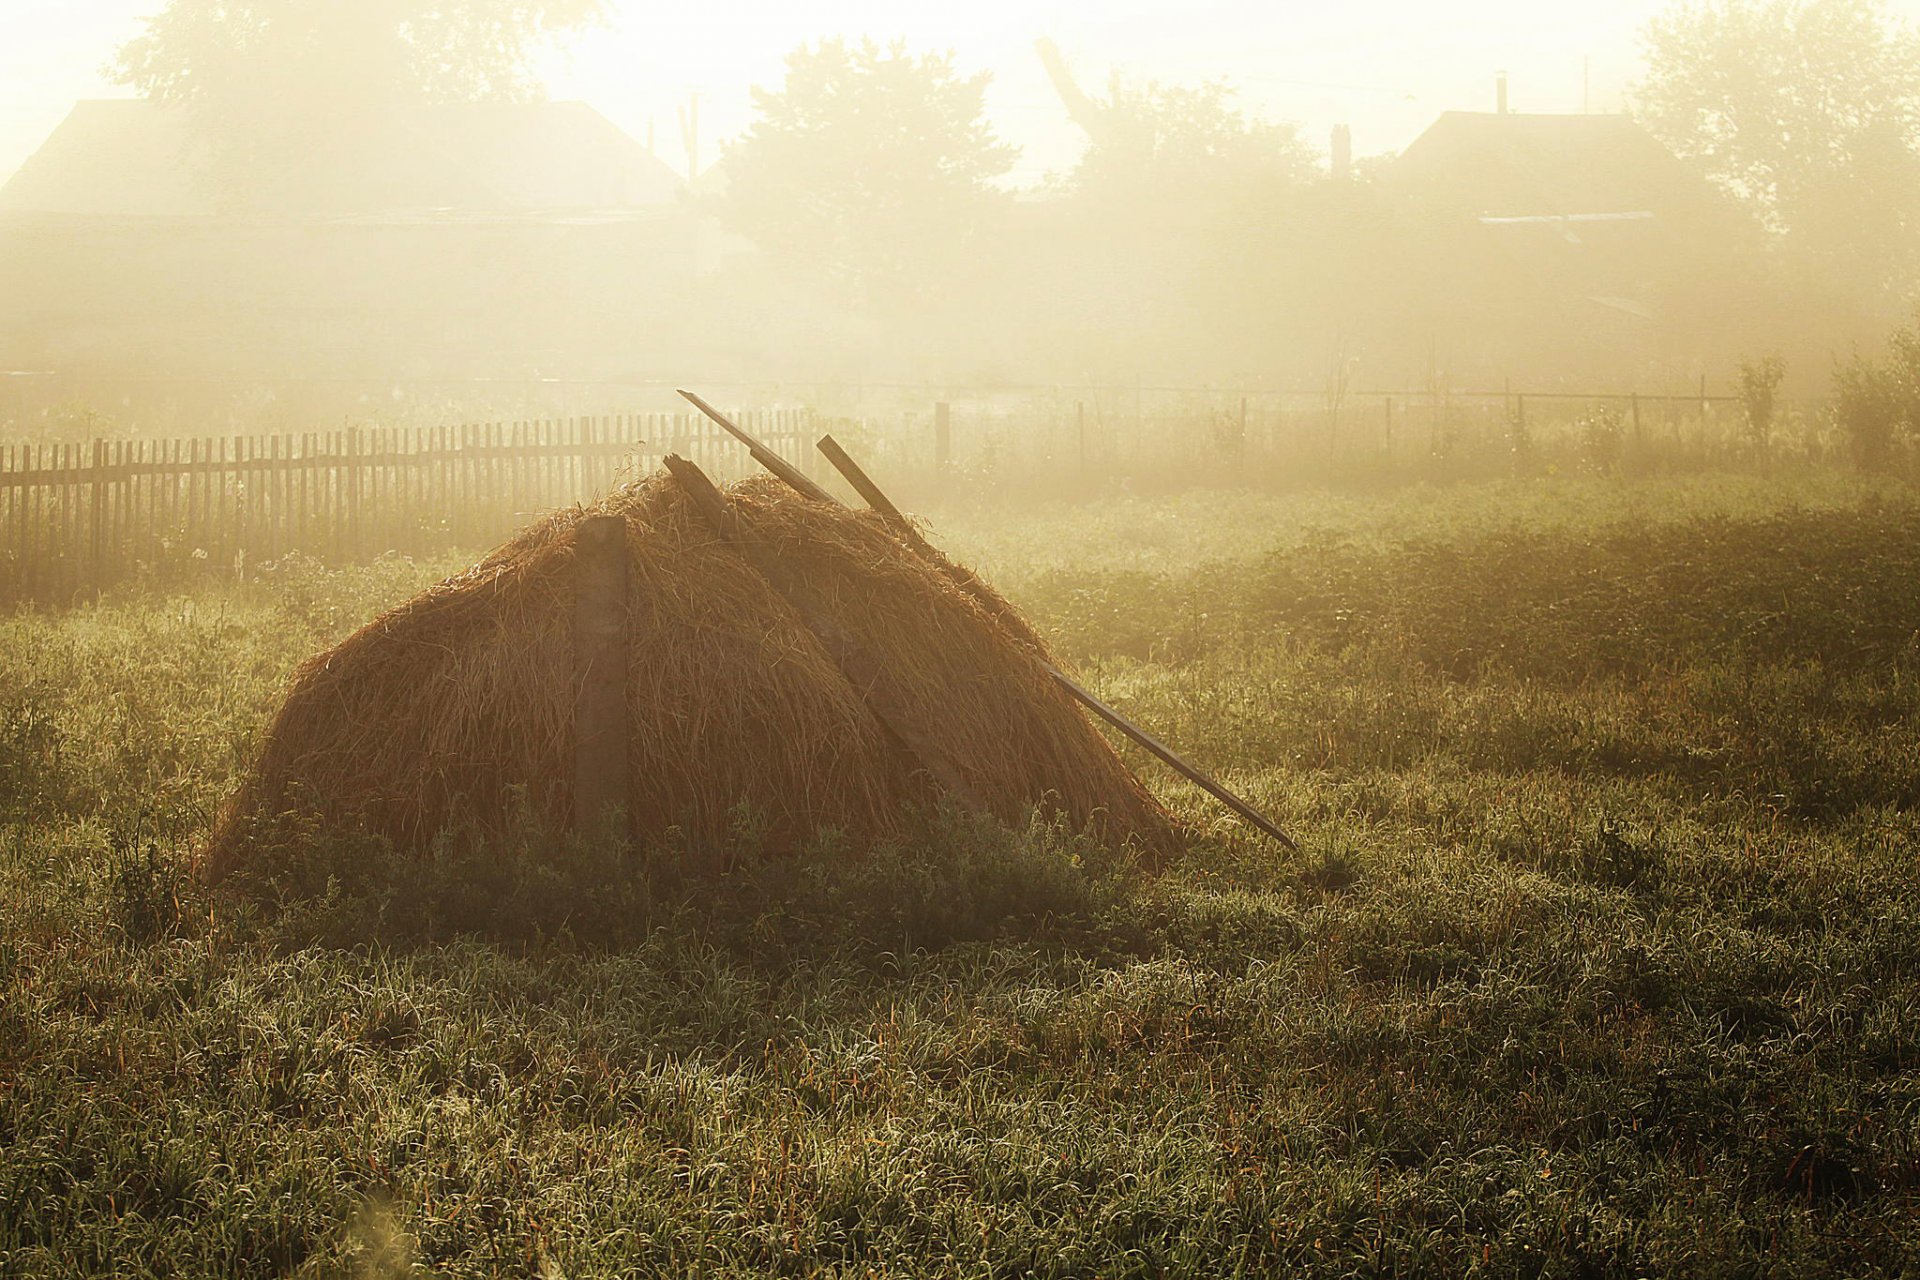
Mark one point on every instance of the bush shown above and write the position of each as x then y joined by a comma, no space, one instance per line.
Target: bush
1759,386
1876,403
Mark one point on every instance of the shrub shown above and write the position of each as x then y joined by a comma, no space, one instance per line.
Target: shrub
1877,402
1759,385
1601,433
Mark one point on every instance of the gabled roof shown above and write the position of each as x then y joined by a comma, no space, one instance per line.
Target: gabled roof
1511,166
133,158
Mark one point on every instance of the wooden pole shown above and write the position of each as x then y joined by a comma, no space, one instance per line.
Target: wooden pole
786,471
97,513
968,582
863,484
601,782
868,676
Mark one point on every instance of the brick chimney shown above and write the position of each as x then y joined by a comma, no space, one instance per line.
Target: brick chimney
1500,93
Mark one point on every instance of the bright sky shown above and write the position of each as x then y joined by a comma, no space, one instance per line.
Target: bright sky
1387,67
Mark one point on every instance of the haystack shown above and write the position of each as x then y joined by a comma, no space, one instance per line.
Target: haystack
456,709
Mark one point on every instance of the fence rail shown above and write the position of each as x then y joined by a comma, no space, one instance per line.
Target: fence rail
78,516
1186,433
75,516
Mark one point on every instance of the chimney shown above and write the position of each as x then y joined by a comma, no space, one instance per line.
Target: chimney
1342,153
1500,93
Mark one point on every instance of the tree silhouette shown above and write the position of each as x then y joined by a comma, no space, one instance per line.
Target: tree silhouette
293,99
869,165
258,52
1808,110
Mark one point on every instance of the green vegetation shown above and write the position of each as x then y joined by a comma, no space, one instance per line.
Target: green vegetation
1602,957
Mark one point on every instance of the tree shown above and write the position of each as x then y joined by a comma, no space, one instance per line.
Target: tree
868,165
1807,109
283,91
230,52
1876,401
1180,218
1181,146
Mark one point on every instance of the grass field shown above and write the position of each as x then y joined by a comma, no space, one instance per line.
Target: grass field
1602,956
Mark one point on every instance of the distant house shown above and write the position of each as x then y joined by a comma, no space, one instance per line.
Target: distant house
435,241
1570,243
1506,168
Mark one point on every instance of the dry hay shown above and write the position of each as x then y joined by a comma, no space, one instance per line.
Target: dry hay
456,708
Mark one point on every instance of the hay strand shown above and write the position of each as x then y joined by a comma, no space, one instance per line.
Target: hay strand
456,708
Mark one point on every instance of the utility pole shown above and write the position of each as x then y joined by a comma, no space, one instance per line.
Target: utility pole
690,135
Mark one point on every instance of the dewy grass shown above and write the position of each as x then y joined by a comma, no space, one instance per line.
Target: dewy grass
1603,956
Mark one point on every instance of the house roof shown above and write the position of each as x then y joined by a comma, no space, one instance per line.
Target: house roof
134,158
1542,167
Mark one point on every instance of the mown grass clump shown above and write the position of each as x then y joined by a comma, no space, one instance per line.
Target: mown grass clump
1602,957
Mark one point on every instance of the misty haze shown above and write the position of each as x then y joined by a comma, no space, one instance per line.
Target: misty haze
884,639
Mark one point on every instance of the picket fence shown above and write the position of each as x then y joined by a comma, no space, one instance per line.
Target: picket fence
79,517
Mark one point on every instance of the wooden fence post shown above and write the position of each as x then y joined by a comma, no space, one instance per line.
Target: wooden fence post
356,495
97,513
600,641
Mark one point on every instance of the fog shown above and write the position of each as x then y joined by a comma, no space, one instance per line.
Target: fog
336,207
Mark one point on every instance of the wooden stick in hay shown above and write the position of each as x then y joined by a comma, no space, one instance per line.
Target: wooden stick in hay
988,598
961,576
861,669
795,478
601,634
863,484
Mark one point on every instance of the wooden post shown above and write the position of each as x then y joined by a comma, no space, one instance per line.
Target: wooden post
120,535
942,437
1016,627
871,681
96,511
600,640
242,501
356,489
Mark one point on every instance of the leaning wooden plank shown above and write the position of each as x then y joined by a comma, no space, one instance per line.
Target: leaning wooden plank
969,582
795,478
863,671
989,599
966,579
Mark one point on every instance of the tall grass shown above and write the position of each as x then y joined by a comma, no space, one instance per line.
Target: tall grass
1602,957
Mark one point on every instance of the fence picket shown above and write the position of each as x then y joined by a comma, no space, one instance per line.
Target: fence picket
75,515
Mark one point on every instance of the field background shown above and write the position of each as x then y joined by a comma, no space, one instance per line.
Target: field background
1600,958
